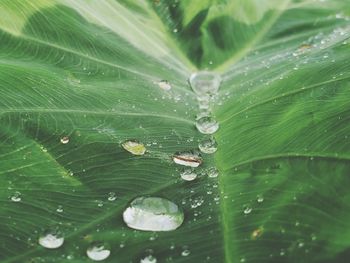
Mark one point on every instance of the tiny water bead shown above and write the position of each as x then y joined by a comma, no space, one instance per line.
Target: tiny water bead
185,253
208,145
149,259
98,251
207,125
51,239
188,175
260,199
112,196
212,172
164,84
134,147
16,197
247,210
153,214
190,158
205,83
65,140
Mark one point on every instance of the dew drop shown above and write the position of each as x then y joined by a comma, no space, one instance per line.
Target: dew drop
188,175
134,147
208,145
185,253
153,214
65,140
59,209
98,251
164,84
207,125
111,196
213,172
16,197
260,199
205,82
190,158
149,259
247,210
51,239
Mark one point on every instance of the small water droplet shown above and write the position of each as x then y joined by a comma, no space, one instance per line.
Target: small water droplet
149,259
59,209
247,210
16,197
260,199
164,84
213,172
207,125
134,147
51,239
98,251
185,253
112,196
205,82
282,252
189,158
208,145
188,175
65,140
153,214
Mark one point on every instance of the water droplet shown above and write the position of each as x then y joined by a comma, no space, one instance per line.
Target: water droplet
257,233
190,158
164,84
16,197
260,199
213,172
185,253
52,239
59,209
247,210
208,145
112,196
65,140
207,125
198,201
149,259
98,251
188,175
134,147
153,214
205,82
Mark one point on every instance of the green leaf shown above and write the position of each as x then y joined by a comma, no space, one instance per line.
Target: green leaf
80,78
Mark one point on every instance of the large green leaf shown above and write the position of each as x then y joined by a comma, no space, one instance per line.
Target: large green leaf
89,70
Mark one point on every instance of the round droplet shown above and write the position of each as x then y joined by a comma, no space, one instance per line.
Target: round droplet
260,199
207,125
51,239
212,172
205,82
134,147
65,140
190,158
247,210
208,145
149,259
112,196
153,214
98,251
59,209
185,253
164,84
16,197
188,175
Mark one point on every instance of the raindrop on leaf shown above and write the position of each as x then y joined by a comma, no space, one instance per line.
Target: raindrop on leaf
98,251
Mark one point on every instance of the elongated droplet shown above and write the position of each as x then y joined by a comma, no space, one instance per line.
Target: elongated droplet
208,145
212,172
51,239
207,125
205,82
134,147
190,158
98,251
153,214
188,175
164,84
149,259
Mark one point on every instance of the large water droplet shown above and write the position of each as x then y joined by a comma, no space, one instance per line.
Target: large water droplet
153,214
207,125
52,239
164,84
98,251
149,259
208,145
190,158
188,175
205,82
134,147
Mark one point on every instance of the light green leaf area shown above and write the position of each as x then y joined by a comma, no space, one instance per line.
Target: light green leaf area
79,78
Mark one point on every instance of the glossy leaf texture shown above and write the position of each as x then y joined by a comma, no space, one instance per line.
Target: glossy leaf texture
79,78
